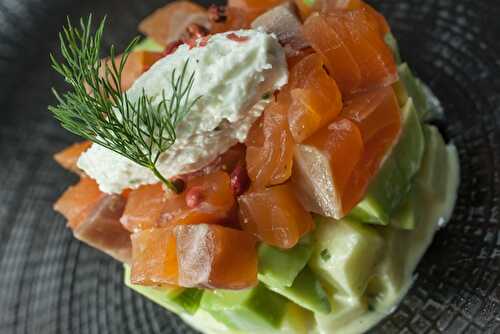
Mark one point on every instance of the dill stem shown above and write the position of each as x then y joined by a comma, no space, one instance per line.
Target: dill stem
166,182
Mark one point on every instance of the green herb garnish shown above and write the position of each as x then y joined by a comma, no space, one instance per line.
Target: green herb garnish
98,109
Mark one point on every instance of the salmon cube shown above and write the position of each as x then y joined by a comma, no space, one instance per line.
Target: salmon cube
216,257
102,229
353,48
316,99
207,199
275,216
78,201
269,154
169,23
154,257
144,208
68,157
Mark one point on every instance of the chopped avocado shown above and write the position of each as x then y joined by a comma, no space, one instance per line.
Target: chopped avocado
148,44
391,41
393,182
254,310
307,292
414,89
354,251
405,216
175,299
279,267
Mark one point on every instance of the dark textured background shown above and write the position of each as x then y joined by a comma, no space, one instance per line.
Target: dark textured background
51,283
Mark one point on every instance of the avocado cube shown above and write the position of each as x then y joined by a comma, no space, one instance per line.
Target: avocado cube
405,216
254,310
279,267
307,292
391,41
414,89
175,299
346,254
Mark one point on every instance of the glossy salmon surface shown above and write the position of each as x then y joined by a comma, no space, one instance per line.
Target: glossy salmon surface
275,216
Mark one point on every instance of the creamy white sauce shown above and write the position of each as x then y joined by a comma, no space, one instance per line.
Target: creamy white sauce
231,78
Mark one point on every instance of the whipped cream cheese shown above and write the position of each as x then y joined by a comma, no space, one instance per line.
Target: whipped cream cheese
232,77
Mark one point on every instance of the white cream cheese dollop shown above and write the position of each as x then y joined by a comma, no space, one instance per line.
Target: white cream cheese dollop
231,76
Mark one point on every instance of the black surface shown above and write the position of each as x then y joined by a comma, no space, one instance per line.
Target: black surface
50,283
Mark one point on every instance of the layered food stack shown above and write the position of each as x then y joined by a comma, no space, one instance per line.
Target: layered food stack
306,208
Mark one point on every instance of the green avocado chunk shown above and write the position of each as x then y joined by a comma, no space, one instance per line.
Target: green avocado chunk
405,216
414,89
345,255
391,41
148,44
175,299
393,182
280,267
307,292
254,310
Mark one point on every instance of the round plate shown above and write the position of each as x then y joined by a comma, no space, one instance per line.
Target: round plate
51,283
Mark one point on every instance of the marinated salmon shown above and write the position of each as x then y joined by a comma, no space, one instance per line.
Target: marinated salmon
154,257
316,99
169,23
207,199
216,257
68,157
144,208
269,154
78,201
274,215
101,229
354,50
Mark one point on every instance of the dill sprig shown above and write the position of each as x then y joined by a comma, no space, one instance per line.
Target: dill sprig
98,109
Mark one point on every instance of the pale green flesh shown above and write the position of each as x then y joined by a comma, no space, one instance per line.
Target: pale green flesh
148,44
175,299
249,310
278,267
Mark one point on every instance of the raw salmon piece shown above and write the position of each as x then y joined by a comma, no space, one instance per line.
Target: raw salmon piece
216,257
144,208
324,164
316,99
78,201
284,23
342,143
269,154
207,199
339,60
68,157
169,23
354,50
101,229
275,216
154,257
255,7
373,111
236,19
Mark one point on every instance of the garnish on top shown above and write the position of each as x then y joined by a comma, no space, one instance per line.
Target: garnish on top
99,110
